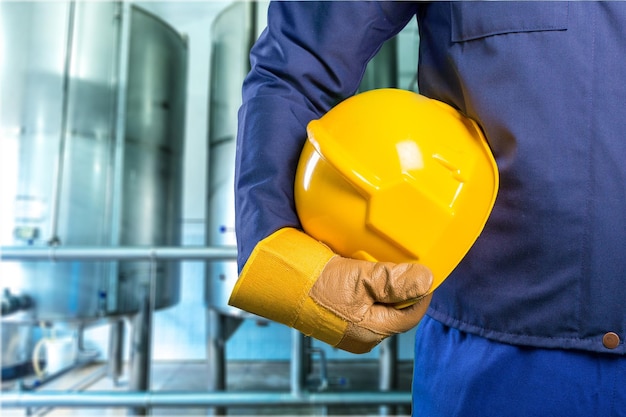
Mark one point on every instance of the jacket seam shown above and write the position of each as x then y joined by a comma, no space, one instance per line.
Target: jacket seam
531,340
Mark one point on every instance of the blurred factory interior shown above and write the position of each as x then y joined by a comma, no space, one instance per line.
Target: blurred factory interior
117,139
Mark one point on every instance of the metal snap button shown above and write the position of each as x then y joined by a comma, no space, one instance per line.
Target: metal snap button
610,340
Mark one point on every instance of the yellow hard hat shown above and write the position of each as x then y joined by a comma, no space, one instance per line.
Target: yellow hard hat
391,175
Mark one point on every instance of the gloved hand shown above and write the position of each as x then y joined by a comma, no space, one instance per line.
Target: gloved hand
293,279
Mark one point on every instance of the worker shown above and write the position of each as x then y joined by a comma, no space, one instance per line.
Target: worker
533,319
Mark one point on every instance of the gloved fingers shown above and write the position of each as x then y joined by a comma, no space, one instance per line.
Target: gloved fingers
384,321
350,287
293,279
391,283
382,282
388,320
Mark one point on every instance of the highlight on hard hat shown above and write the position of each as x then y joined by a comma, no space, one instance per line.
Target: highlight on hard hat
391,175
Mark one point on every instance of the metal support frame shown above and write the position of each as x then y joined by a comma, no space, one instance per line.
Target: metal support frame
141,348
387,374
197,399
116,350
149,399
67,253
216,357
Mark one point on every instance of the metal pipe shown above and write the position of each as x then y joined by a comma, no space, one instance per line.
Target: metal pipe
58,172
216,357
116,350
141,349
66,253
387,379
197,399
323,383
296,370
116,190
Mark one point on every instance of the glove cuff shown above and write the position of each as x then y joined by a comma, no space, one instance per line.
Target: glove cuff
276,280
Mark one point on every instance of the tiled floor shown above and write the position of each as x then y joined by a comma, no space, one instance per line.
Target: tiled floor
347,376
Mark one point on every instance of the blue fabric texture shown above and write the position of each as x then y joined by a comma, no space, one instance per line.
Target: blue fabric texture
300,69
459,374
545,80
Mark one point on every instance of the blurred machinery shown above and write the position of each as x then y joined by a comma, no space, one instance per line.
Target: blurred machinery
232,34
91,141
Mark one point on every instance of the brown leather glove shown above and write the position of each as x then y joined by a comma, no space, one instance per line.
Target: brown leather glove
365,294
351,304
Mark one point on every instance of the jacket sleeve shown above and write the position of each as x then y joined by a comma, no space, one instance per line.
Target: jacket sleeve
311,56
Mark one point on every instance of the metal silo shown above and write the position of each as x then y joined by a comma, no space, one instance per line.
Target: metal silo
91,139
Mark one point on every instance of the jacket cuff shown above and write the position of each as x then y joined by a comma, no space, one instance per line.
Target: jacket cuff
276,280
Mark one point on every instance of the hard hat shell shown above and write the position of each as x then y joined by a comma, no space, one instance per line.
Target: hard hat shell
391,175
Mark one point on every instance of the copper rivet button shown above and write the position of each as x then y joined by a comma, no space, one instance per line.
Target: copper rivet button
610,340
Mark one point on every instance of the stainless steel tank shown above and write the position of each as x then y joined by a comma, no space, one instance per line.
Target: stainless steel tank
152,187
232,35
91,134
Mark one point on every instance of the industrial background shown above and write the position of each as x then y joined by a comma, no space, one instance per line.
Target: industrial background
117,140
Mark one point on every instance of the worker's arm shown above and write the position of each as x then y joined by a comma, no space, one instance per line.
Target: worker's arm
293,279
310,57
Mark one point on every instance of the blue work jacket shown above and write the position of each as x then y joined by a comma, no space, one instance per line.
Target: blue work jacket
547,83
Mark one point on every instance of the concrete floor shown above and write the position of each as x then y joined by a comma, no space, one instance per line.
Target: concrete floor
345,376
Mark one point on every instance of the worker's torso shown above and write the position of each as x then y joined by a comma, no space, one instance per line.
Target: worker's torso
547,83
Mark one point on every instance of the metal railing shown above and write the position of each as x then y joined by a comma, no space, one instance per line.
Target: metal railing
67,253
198,399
